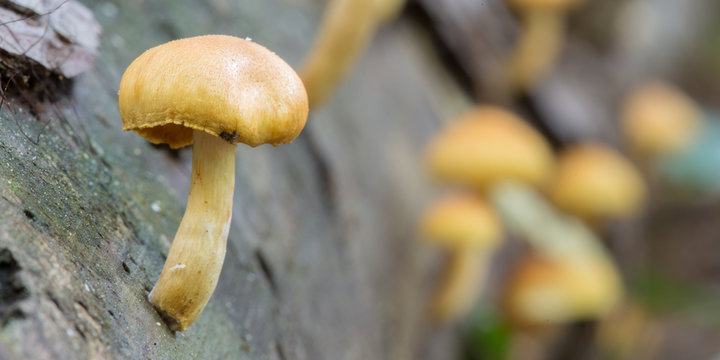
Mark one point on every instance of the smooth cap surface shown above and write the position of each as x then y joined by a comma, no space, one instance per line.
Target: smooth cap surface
487,145
227,86
596,182
659,120
462,220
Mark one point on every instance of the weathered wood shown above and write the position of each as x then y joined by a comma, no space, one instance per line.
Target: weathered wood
322,260
58,35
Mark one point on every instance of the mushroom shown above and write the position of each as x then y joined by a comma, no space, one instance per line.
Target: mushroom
347,27
568,276
543,291
659,120
596,183
213,92
487,146
675,136
540,41
468,227
495,152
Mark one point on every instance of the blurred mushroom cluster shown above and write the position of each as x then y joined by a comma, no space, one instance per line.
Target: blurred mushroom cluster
549,209
564,273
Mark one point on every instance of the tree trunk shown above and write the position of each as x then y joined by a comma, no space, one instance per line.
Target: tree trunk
322,258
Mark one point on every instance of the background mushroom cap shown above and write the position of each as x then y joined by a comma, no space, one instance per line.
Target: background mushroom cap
544,291
595,181
224,85
659,119
462,220
487,145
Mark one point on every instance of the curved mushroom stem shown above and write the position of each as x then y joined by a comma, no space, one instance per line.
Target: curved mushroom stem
346,29
551,233
196,256
461,286
388,9
539,46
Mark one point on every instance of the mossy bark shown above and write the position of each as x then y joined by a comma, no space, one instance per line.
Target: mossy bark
322,261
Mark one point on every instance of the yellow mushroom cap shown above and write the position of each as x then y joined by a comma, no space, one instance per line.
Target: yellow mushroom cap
595,181
462,220
551,5
659,119
226,86
487,145
544,292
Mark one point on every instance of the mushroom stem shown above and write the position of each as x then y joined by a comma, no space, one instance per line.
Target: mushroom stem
388,9
551,233
196,256
461,286
537,50
346,30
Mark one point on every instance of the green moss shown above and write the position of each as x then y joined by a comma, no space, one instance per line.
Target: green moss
487,335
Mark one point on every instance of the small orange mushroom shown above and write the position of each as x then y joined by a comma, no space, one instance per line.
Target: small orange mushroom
659,120
468,227
543,291
487,146
596,183
213,92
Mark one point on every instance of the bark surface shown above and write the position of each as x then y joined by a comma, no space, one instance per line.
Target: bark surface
322,261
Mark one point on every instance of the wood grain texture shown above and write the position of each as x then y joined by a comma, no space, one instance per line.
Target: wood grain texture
322,259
